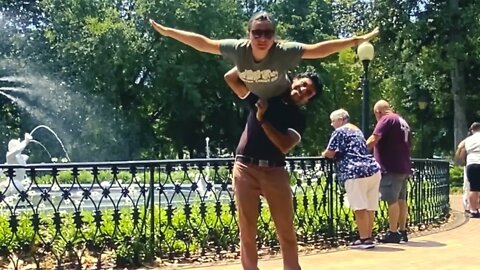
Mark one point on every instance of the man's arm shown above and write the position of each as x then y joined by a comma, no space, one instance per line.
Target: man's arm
373,140
236,84
194,40
461,154
326,48
283,141
381,128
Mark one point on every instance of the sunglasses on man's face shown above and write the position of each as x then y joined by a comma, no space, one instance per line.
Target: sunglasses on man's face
268,34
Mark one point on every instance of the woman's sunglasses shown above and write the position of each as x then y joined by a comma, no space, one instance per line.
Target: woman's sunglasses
268,34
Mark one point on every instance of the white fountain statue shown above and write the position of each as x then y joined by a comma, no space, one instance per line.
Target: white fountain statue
15,157
202,180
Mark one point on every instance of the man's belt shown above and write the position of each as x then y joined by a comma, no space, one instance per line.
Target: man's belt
259,162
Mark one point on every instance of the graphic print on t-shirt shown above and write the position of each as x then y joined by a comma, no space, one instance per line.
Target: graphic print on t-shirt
404,127
258,76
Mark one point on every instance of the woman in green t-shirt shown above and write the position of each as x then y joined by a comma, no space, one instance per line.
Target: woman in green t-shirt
262,61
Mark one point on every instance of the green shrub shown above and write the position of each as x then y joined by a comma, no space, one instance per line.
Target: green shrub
456,176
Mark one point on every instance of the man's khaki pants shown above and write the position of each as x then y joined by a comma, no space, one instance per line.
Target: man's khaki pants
249,182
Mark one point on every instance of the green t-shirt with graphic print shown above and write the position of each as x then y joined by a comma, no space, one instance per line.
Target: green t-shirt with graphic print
267,78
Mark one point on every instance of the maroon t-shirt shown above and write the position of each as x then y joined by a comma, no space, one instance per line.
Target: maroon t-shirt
392,151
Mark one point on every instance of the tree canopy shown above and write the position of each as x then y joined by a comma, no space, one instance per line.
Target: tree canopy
113,89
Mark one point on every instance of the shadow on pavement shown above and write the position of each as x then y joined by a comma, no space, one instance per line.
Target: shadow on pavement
424,244
382,248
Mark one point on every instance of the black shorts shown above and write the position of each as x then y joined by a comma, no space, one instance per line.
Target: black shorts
473,175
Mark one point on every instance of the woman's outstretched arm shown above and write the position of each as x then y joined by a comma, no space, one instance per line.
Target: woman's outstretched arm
194,40
326,48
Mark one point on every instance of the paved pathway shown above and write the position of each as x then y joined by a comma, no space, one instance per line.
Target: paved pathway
458,248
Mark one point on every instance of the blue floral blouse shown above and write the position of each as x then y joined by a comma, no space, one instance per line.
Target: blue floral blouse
352,158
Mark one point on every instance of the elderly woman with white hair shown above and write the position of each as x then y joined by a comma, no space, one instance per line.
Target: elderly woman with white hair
358,171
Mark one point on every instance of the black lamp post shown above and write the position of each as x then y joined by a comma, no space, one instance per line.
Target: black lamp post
365,53
422,105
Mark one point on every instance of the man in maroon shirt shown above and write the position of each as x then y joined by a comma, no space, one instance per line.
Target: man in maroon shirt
391,141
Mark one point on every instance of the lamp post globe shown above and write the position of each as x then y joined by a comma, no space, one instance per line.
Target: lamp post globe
365,52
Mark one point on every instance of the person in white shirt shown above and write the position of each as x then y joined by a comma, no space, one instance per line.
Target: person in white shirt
466,184
469,150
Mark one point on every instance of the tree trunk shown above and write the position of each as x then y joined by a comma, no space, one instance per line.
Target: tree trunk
458,92
457,77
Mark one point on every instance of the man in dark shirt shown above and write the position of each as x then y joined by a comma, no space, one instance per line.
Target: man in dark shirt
391,143
273,128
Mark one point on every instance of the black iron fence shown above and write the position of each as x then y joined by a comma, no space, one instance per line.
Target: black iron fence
102,215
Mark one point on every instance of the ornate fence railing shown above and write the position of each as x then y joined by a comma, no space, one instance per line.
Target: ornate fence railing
101,215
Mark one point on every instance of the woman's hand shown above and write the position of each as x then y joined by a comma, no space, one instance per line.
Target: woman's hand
194,40
369,36
159,28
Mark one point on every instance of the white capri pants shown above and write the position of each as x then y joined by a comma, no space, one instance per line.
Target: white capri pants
363,193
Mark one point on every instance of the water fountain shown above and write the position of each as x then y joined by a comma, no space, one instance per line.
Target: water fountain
76,200
44,148
14,156
56,136
202,179
33,110
12,98
14,89
12,85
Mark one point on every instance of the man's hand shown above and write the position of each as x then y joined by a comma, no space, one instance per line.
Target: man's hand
159,28
262,106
